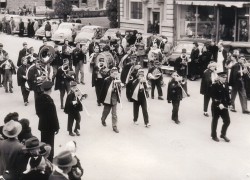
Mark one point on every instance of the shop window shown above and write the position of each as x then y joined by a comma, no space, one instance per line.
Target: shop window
136,10
84,1
197,22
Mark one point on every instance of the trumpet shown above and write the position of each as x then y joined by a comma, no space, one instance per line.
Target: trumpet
131,78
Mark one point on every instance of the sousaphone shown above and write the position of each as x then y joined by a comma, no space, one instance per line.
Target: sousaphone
46,54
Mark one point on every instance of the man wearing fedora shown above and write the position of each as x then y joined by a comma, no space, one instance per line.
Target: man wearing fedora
64,162
22,53
12,158
48,120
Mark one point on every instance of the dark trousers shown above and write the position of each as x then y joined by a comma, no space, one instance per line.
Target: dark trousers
106,111
48,137
98,87
128,90
156,83
242,95
7,80
71,117
176,104
206,102
25,93
224,114
143,104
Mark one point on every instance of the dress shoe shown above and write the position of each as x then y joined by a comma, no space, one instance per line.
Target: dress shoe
136,123
206,114
215,139
177,122
147,125
98,104
26,104
77,132
225,138
71,134
6,90
1,85
11,91
233,110
82,82
104,123
62,107
188,95
115,129
246,112
152,97
160,98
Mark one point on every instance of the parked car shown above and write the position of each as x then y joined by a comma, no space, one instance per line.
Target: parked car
244,48
87,33
75,8
65,31
188,45
40,33
112,34
43,10
25,19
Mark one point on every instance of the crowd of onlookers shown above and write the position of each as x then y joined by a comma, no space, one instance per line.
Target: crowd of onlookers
24,157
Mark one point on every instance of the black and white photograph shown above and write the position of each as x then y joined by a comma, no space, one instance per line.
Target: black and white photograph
124,89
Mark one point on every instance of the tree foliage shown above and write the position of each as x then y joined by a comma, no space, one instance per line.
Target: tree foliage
112,12
63,8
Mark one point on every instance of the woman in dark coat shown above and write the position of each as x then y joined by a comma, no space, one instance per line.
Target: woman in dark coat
194,64
30,28
204,59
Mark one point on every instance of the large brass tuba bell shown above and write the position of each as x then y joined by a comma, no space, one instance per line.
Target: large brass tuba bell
46,54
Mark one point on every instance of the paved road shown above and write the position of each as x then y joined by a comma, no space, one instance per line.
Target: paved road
164,151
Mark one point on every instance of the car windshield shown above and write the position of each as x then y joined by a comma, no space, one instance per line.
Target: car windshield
88,30
187,46
65,26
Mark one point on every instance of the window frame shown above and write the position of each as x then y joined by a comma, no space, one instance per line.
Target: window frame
130,9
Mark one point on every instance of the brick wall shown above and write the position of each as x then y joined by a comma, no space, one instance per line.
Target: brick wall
13,5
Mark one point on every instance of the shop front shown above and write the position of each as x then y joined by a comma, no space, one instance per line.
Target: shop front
218,20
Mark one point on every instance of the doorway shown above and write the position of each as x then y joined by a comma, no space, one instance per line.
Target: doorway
227,24
156,22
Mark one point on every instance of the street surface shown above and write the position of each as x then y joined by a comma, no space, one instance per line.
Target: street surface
165,151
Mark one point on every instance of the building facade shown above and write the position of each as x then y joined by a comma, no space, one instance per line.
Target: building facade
143,14
187,19
13,5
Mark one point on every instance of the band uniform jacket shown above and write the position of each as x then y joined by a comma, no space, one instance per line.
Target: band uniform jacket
195,55
151,70
35,175
46,111
174,91
220,94
57,61
22,53
78,56
33,74
105,88
133,88
12,157
62,79
235,78
70,108
95,72
21,71
57,176
180,66
206,82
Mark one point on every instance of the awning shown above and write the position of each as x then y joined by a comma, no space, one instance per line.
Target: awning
213,3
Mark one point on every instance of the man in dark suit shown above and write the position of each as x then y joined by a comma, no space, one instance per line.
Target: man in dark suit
48,120
64,162
12,159
221,101
22,53
236,80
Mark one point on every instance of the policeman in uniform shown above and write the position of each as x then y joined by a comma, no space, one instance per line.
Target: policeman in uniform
220,103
